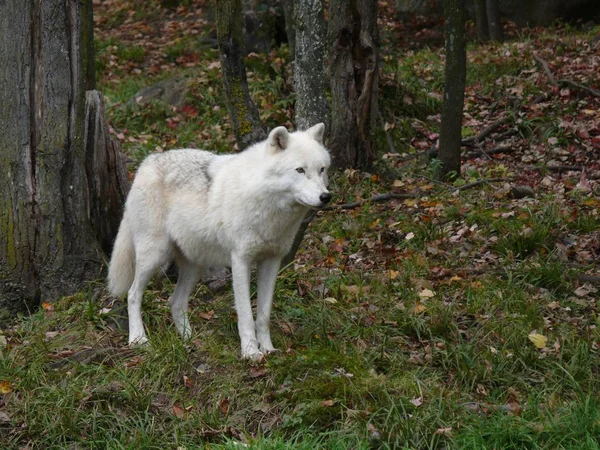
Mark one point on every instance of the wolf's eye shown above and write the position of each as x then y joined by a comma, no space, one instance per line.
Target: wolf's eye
322,169
300,170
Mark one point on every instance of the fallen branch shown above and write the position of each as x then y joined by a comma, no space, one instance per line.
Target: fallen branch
555,168
493,151
470,141
546,68
581,87
480,182
562,82
375,199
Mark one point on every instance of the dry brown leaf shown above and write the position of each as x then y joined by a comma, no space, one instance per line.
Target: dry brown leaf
224,405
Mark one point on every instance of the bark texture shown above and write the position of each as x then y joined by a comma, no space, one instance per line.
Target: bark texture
107,181
481,21
47,242
494,23
353,64
244,115
309,67
454,88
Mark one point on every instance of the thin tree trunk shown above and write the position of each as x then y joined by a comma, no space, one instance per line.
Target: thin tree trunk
481,21
244,115
290,31
309,68
48,246
454,89
353,64
494,23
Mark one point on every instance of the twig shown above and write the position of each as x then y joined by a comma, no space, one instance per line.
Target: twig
580,87
562,82
375,199
482,181
493,151
555,168
485,132
546,68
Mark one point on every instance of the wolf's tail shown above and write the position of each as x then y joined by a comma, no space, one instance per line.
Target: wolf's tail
122,262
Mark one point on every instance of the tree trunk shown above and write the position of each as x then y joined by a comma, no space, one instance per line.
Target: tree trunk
48,246
309,83
481,21
244,115
494,23
107,179
309,68
87,44
454,89
290,31
353,64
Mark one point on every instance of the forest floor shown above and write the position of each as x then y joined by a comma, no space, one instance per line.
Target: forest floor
462,316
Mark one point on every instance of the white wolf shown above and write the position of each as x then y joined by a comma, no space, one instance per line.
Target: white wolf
205,210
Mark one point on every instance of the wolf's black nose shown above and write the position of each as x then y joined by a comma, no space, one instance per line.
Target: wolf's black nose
325,197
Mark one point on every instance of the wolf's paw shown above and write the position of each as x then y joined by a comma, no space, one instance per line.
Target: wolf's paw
267,349
138,341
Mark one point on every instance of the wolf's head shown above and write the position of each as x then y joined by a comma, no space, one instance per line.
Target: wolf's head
300,164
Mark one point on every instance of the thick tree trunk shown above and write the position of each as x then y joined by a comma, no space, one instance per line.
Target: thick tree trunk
481,21
454,89
494,23
244,115
48,246
290,31
353,64
309,68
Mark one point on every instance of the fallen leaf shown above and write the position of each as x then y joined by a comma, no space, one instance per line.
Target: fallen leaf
188,382
52,334
207,315
328,403
47,306
224,405
418,308
409,236
417,401
582,291
5,387
178,411
393,274
398,183
257,372
426,293
331,300
539,340
444,431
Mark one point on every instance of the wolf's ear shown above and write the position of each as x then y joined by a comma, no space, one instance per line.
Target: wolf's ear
316,132
278,139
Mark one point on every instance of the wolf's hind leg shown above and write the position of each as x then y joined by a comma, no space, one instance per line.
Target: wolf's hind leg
266,277
189,274
149,257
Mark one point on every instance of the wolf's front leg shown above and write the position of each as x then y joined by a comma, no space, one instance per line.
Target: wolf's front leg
240,270
267,275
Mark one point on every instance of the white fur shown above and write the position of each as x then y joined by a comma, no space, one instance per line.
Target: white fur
205,210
